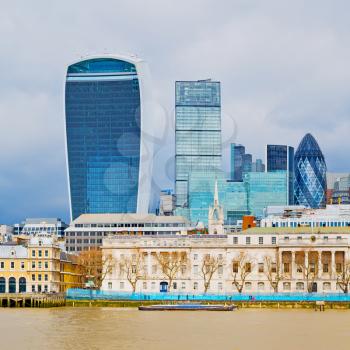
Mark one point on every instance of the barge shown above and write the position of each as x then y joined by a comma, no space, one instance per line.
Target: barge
188,307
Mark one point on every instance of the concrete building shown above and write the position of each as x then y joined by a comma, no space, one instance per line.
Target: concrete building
296,216
6,233
39,266
88,230
167,202
31,226
258,260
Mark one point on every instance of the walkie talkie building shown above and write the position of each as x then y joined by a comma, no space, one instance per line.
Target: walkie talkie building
109,135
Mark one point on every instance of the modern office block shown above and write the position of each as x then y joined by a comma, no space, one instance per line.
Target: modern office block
247,164
237,158
109,129
310,182
197,135
258,166
266,189
281,158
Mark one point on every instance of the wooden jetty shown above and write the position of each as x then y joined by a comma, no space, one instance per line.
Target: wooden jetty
32,300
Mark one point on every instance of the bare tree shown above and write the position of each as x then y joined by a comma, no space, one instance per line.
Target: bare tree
210,264
307,263
273,271
242,266
96,265
133,267
343,277
170,264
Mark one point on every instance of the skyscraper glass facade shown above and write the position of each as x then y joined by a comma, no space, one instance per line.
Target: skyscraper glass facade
237,158
266,189
197,133
103,132
310,183
281,158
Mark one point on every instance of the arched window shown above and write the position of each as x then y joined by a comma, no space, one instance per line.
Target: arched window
248,286
300,286
22,285
12,285
286,286
326,286
261,286
2,285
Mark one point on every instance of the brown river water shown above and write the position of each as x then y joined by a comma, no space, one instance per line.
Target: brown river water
112,328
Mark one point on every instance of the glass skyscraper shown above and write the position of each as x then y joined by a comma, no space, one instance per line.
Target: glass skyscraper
281,158
310,174
237,159
109,155
197,133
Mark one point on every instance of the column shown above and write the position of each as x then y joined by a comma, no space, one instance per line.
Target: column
293,270
333,267
320,267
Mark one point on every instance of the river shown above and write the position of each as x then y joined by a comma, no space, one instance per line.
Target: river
112,328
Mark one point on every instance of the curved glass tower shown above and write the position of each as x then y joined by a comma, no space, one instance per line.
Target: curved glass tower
109,159
310,174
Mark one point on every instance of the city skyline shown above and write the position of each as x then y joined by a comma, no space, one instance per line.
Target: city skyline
267,97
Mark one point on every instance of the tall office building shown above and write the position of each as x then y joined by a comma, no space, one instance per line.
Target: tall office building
258,166
109,129
281,158
310,182
237,159
247,164
197,134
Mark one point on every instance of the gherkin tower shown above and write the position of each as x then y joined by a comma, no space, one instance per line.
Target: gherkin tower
310,183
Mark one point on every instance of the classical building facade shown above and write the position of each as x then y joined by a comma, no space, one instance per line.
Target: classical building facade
258,260
38,266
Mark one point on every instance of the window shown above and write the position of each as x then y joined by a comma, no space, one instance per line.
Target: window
286,238
261,267
195,257
338,238
39,264
154,269
121,285
33,288
325,268
326,286
33,264
40,253
183,269
33,253
300,286
299,269
235,240
46,277
286,286
338,267
261,240
247,240
2,265
195,269
286,267
195,285
248,285
12,265
46,264
33,277
153,285
144,285
133,269
235,267
220,270
22,265
273,240
220,286
248,267
312,267
325,238
46,253
175,285
45,288
261,286
183,285
300,238
39,277
273,267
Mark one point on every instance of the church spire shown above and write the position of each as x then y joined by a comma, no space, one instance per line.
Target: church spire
216,194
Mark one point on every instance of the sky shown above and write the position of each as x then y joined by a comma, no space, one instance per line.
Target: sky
283,68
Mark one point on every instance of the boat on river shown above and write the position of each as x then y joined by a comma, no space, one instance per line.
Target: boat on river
188,307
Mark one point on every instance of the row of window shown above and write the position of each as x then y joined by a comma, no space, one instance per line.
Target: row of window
261,240
39,265
46,277
132,225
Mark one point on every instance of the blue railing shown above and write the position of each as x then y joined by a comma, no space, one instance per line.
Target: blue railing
86,294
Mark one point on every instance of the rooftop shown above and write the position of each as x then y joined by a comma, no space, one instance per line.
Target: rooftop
296,230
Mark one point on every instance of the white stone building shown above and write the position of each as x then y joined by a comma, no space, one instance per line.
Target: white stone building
256,260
